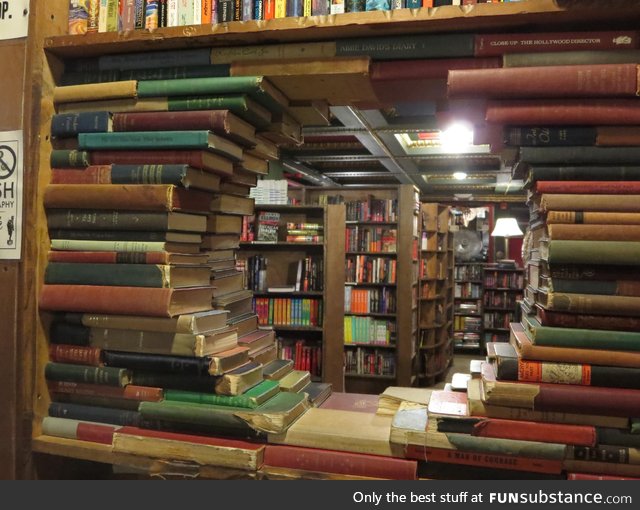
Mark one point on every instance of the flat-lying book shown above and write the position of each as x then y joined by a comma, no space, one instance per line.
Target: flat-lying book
250,399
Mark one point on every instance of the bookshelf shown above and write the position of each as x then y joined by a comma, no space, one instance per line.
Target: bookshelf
381,268
503,289
293,291
23,385
435,294
467,308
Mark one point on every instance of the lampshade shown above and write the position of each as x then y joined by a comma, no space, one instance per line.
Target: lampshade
506,227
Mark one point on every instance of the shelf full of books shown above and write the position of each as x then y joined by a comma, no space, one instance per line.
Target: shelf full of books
435,293
503,293
467,309
380,283
285,251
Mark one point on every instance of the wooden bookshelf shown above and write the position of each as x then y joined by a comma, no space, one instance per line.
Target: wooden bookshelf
435,294
282,261
402,346
467,306
503,289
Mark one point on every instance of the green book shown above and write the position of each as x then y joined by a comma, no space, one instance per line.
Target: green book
63,158
257,87
591,252
275,415
250,399
109,376
127,275
241,105
581,338
140,140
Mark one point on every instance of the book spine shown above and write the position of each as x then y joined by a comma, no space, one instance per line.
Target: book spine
498,44
210,399
554,136
133,275
130,391
90,175
109,376
604,453
201,86
156,362
107,157
75,429
143,140
532,431
608,80
69,159
125,247
65,333
588,252
75,354
88,219
588,339
155,59
586,173
70,124
570,320
158,121
95,414
589,187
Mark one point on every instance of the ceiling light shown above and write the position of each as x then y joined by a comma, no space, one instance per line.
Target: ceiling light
459,176
457,137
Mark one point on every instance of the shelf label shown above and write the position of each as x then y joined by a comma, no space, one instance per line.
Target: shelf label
14,19
11,177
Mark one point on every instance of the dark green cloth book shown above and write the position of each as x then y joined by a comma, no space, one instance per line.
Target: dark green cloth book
250,399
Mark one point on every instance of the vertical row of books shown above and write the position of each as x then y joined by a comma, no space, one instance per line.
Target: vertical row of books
435,293
467,310
151,327
503,293
573,358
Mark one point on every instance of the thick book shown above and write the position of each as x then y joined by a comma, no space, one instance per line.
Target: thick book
603,80
95,91
347,431
588,203
192,323
66,351
126,235
589,321
579,155
128,392
110,376
427,68
240,104
257,340
587,218
408,46
221,122
317,392
126,197
390,399
256,87
477,407
274,416
208,451
160,73
65,125
133,275
94,219
238,381
230,54
142,341
125,300
92,413
578,57
223,224
277,369
589,303
69,158
583,173
126,104
154,59
528,351
250,399
616,253
294,381
328,461
126,252
542,136
201,159
498,44
231,204
588,187
161,140
179,175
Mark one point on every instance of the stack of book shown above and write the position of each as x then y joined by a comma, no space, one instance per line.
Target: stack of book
573,360
305,233
151,327
270,192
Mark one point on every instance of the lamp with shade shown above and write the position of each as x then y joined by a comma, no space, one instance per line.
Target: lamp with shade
507,228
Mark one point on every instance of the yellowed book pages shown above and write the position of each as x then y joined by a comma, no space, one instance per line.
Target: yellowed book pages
391,398
95,91
347,431
338,80
146,104
229,54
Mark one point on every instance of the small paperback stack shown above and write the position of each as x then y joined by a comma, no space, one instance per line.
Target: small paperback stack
304,233
574,359
152,328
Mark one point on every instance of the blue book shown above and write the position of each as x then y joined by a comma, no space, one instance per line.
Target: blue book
64,125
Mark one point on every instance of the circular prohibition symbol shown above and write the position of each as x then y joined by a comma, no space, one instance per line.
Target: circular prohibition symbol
8,162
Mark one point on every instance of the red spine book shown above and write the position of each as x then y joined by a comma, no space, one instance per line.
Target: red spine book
498,44
131,391
327,461
492,460
197,159
96,433
576,320
95,174
75,354
269,9
589,187
110,257
605,80
427,68
582,435
564,112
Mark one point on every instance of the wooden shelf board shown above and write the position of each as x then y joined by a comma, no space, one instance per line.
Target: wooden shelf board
373,346
288,208
375,253
371,314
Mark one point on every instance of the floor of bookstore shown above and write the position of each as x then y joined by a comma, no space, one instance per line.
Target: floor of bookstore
460,364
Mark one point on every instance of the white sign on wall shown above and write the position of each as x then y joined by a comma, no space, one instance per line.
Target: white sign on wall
11,179
14,19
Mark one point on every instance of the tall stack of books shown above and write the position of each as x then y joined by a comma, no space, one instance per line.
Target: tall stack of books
574,359
152,328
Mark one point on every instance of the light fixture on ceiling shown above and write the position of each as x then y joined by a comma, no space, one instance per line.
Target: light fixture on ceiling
457,137
459,176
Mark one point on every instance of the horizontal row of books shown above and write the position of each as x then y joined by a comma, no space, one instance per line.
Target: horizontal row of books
369,300
372,239
368,330
369,269
309,275
274,311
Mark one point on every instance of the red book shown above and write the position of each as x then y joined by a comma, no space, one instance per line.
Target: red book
589,187
269,9
582,435
203,160
396,70
600,80
76,354
492,460
564,112
498,44
153,302
96,433
327,461
358,402
578,320
129,392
